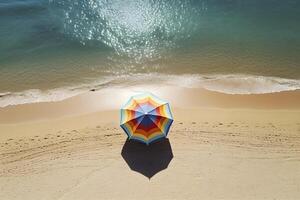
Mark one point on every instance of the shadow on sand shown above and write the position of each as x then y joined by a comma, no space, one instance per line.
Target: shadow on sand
147,160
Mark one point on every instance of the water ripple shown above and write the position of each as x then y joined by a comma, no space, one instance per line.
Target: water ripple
136,29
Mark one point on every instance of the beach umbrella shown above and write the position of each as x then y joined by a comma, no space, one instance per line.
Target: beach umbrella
146,118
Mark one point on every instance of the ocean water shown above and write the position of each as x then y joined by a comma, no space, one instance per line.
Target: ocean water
54,49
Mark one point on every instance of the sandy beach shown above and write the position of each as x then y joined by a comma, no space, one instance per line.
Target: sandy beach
219,147
228,71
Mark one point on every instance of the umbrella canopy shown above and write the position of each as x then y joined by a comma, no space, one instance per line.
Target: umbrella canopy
146,118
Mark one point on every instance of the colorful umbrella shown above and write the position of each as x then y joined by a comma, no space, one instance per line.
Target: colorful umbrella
146,118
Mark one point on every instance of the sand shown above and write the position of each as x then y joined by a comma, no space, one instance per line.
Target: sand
219,147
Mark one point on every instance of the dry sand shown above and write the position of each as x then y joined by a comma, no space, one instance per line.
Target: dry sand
220,147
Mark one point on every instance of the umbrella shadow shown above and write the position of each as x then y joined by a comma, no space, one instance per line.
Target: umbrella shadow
147,160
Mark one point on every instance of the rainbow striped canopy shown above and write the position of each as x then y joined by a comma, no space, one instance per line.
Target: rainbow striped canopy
146,118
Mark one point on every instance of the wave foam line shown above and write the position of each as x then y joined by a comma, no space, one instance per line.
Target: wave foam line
229,84
237,83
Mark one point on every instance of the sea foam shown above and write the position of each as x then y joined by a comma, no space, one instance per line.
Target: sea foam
229,84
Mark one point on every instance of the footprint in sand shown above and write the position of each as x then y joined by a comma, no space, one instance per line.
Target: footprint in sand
220,124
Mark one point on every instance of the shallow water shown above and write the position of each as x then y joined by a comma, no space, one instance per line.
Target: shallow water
74,45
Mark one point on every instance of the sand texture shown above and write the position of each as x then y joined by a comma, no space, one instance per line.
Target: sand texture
209,154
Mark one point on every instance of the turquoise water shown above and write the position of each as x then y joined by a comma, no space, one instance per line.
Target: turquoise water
69,44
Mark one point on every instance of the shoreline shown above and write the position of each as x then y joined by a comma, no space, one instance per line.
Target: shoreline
114,98
235,84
